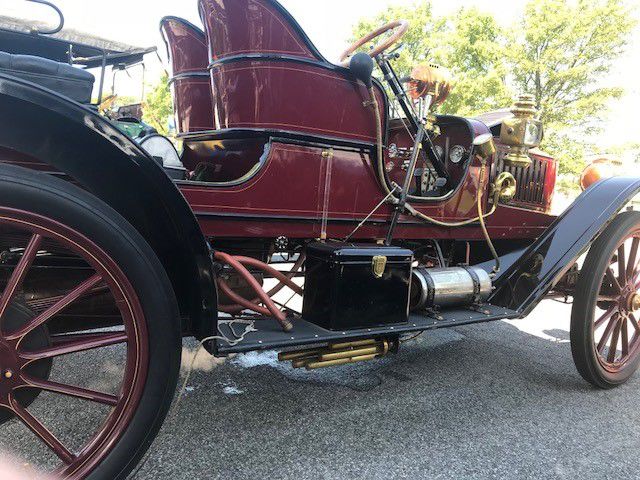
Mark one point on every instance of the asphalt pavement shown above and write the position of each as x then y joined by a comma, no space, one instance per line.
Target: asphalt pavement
496,400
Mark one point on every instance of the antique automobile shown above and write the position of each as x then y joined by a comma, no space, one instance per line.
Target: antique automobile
312,209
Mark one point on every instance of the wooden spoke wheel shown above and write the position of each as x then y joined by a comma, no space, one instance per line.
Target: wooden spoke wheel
85,377
605,328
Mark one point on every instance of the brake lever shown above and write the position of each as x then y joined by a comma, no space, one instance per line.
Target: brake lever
395,53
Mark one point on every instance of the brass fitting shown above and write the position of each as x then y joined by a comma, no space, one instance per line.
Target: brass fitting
503,188
522,132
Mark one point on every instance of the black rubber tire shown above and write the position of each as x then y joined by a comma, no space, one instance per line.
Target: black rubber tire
55,198
584,302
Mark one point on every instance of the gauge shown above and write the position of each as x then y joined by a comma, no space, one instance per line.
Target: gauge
439,151
457,153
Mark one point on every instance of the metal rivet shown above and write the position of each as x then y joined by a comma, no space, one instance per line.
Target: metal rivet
8,374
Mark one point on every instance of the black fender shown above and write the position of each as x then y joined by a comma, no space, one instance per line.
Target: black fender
90,151
528,279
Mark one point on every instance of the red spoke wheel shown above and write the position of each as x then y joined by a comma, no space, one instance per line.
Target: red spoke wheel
605,333
89,332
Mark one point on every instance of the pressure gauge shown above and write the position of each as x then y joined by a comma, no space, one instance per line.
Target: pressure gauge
456,154
439,151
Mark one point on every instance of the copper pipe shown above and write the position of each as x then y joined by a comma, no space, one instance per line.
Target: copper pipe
290,274
270,270
241,302
264,298
274,290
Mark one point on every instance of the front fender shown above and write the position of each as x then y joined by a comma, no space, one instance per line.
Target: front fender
527,280
47,128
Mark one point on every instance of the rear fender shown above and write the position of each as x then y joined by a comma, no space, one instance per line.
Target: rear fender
75,141
527,280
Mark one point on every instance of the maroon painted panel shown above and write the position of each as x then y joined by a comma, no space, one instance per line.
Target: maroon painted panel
187,52
193,105
288,198
292,96
237,27
186,46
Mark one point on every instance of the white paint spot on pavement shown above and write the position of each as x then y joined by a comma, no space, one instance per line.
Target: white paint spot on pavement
232,390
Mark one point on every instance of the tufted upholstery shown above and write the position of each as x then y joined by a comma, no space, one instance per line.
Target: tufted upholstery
62,78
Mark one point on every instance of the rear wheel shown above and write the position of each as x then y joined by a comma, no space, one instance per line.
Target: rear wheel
86,374
605,329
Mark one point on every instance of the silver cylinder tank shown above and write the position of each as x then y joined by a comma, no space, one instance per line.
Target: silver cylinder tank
449,287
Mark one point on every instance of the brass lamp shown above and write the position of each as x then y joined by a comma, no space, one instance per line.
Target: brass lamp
432,81
429,85
522,132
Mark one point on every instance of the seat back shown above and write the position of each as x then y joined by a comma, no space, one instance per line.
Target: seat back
190,86
267,75
62,78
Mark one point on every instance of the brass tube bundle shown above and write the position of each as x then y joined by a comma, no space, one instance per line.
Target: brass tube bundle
339,353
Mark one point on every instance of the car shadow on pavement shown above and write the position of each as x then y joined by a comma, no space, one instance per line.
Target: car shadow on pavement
481,401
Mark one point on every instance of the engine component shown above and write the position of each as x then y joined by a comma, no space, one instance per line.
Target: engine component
449,287
521,132
350,286
340,353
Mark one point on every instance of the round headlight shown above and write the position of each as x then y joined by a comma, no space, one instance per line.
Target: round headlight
456,154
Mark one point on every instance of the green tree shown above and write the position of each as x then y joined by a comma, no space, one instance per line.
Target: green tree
158,105
560,52
468,43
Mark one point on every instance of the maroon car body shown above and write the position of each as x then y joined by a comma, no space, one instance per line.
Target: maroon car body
278,106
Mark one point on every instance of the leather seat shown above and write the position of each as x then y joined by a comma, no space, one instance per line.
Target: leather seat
62,78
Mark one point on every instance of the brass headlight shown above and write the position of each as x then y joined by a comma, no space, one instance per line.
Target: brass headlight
522,132
430,80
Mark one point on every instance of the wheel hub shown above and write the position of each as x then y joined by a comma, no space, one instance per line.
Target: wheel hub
634,302
629,301
10,367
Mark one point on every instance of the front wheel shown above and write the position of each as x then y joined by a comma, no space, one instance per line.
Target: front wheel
605,329
89,332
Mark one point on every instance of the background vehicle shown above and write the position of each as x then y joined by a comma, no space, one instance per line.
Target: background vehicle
396,224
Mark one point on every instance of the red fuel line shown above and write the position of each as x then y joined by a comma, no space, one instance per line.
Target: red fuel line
263,297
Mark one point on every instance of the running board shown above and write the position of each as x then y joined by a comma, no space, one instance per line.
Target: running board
269,334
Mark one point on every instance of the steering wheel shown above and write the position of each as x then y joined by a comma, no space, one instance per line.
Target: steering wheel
399,28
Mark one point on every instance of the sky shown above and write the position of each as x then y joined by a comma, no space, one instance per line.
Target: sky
328,24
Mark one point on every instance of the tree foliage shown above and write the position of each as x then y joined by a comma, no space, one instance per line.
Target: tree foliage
158,105
562,53
467,43
559,51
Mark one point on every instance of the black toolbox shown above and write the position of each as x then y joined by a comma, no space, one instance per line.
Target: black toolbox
351,286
